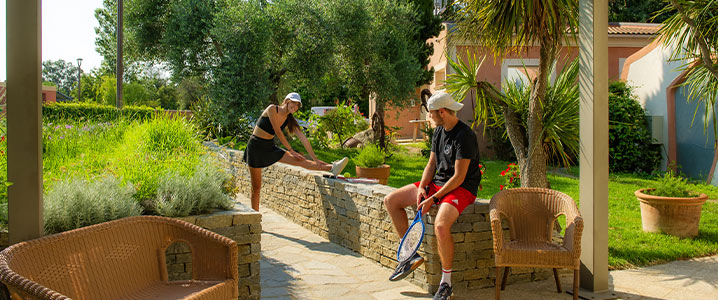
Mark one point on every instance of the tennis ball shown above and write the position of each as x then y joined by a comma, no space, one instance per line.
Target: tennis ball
347,175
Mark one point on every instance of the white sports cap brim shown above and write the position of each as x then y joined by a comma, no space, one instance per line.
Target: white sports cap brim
443,100
294,97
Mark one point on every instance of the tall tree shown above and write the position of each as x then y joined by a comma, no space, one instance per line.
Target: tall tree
378,53
62,73
504,26
106,44
644,11
429,26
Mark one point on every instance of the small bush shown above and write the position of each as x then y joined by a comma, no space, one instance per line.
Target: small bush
629,141
342,122
671,185
152,148
94,112
181,196
78,202
371,156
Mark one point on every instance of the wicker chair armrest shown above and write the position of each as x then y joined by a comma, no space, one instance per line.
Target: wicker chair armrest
17,282
497,232
214,256
572,237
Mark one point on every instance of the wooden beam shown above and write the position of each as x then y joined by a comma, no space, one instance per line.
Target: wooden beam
24,119
593,115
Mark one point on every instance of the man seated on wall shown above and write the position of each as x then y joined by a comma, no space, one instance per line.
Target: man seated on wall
452,176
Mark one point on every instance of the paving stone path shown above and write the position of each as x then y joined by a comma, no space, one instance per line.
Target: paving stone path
298,264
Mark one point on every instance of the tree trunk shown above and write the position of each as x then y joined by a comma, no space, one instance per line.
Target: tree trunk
533,172
517,135
378,124
512,122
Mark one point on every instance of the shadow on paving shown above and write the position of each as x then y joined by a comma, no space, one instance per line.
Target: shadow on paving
276,279
328,247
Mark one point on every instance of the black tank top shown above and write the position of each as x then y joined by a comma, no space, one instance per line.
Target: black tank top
265,124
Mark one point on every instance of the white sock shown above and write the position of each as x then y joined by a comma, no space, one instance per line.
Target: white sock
445,276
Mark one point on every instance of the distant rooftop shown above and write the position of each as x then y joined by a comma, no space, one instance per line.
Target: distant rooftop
615,28
633,28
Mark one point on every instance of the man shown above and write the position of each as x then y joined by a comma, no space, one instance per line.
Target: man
452,175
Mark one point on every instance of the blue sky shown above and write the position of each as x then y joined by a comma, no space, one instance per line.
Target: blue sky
68,32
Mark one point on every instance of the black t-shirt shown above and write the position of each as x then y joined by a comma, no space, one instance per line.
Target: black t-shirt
449,146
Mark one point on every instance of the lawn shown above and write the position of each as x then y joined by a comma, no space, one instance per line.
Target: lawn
628,245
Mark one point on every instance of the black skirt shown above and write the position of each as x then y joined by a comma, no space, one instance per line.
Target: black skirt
262,153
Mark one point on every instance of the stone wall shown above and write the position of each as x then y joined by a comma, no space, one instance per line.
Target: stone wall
352,215
244,226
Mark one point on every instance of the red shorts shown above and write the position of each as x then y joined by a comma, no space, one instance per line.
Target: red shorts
459,197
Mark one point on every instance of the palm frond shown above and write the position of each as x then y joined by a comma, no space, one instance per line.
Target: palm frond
463,81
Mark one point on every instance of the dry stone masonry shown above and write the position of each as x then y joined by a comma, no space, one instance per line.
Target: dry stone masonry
352,215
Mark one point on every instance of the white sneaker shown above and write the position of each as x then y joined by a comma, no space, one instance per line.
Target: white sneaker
339,165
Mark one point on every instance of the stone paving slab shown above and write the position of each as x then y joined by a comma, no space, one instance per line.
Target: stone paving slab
298,264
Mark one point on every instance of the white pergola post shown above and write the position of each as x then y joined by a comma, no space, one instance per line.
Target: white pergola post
593,114
24,119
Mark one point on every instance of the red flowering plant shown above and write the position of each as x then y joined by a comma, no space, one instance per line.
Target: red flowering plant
512,177
482,168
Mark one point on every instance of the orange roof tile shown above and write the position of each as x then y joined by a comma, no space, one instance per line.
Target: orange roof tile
633,28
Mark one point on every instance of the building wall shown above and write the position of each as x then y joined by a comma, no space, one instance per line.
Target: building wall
695,146
650,74
400,116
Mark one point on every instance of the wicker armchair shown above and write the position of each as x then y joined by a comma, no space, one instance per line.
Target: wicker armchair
531,213
121,259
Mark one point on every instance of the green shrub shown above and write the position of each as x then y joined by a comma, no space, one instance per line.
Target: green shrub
371,156
78,202
239,125
671,185
342,122
629,141
84,111
180,196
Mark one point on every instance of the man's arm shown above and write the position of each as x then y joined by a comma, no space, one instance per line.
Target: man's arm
426,177
461,166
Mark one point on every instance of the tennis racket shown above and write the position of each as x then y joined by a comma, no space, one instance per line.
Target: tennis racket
413,237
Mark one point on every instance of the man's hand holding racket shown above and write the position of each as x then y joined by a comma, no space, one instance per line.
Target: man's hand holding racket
423,201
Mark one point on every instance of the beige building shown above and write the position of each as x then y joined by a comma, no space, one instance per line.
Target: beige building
624,39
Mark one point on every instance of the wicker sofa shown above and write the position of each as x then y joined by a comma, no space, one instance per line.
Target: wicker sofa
121,259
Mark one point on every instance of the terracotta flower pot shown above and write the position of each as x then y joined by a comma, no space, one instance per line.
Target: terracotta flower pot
381,173
674,216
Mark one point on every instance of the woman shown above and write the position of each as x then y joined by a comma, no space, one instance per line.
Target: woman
261,151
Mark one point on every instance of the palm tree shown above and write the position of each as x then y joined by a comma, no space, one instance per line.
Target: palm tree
503,26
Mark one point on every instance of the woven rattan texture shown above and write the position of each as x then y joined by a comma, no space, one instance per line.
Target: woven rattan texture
530,213
120,259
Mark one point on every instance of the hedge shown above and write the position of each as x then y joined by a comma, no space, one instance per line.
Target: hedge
95,112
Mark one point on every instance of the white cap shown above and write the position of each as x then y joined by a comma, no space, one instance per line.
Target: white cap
294,97
443,100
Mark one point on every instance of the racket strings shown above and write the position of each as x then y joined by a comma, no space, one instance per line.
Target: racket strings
411,242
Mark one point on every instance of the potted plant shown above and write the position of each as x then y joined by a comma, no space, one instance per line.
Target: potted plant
370,163
670,207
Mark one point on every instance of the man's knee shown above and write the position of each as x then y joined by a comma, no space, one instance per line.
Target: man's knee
389,200
442,228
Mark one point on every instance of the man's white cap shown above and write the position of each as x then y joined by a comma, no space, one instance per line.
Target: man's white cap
294,97
443,100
